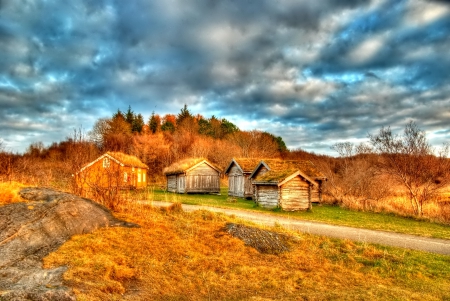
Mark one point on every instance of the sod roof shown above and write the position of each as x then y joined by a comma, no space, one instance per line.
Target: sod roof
184,165
279,170
127,160
246,164
121,158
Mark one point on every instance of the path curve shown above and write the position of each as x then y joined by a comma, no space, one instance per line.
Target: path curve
433,245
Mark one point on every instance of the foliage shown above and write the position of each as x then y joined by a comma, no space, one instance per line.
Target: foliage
359,178
9,193
353,180
409,160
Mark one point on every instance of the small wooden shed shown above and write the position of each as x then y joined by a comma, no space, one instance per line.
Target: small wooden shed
112,170
193,176
238,171
289,184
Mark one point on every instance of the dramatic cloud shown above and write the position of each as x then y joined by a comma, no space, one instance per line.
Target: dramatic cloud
314,72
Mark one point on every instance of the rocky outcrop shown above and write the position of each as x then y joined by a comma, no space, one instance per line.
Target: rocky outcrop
264,241
30,231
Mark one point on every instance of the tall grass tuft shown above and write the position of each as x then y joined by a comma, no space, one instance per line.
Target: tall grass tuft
9,193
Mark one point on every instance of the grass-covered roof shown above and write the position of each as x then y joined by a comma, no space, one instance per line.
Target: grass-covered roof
183,165
246,164
127,160
279,170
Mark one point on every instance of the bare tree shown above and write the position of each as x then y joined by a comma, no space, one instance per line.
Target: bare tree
411,162
353,179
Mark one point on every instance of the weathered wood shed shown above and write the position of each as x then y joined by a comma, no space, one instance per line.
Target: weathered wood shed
193,176
288,184
238,171
112,170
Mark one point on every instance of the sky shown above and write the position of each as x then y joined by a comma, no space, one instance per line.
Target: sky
313,72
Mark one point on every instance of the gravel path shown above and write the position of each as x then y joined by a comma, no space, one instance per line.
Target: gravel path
434,245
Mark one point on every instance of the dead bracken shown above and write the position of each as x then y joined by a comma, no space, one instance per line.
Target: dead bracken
264,241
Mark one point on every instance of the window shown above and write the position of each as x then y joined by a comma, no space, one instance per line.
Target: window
143,177
139,178
106,163
125,177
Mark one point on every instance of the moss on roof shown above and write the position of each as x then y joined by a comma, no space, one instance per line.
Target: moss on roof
247,164
183,165
127,160
279,170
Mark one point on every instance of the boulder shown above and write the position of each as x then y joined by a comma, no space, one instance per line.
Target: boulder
30,231
264,241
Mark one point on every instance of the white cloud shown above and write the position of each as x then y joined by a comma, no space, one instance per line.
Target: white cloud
422,12
367,49
315,89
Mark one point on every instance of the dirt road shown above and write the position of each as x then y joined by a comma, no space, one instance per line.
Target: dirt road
434,245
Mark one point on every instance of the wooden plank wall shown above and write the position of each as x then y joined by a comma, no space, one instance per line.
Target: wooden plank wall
181,181
172,183
315,195
267,195
248,186
235,182
203,179
295,195
261,170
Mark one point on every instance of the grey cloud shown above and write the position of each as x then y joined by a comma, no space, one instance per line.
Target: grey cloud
232,58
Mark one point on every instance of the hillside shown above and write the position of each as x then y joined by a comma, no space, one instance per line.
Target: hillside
175,255
190,256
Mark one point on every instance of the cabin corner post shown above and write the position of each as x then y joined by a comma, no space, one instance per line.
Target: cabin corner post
320,192
280,198
310,187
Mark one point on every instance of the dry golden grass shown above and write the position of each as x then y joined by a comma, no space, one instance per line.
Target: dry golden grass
189,256
9,193
436,210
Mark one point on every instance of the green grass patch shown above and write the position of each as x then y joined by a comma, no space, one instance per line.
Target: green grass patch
324,213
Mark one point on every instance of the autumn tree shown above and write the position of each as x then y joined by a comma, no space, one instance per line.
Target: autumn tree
168,123
154,151
411,162
101,129
112,134
255,144
6,163
35,149
186,122
353,179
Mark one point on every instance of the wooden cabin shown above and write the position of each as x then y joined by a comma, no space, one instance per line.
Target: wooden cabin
193,176
288,184
112,170
238,171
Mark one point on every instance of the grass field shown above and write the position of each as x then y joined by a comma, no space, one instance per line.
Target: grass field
176,255
188,256
324,213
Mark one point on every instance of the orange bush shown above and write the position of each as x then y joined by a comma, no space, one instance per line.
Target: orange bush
9,193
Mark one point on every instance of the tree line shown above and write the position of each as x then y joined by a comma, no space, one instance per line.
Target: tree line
158,142
398,173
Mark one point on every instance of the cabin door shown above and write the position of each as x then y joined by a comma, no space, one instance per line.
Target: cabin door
237,187
181,184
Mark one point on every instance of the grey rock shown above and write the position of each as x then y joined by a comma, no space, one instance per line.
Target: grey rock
30,231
